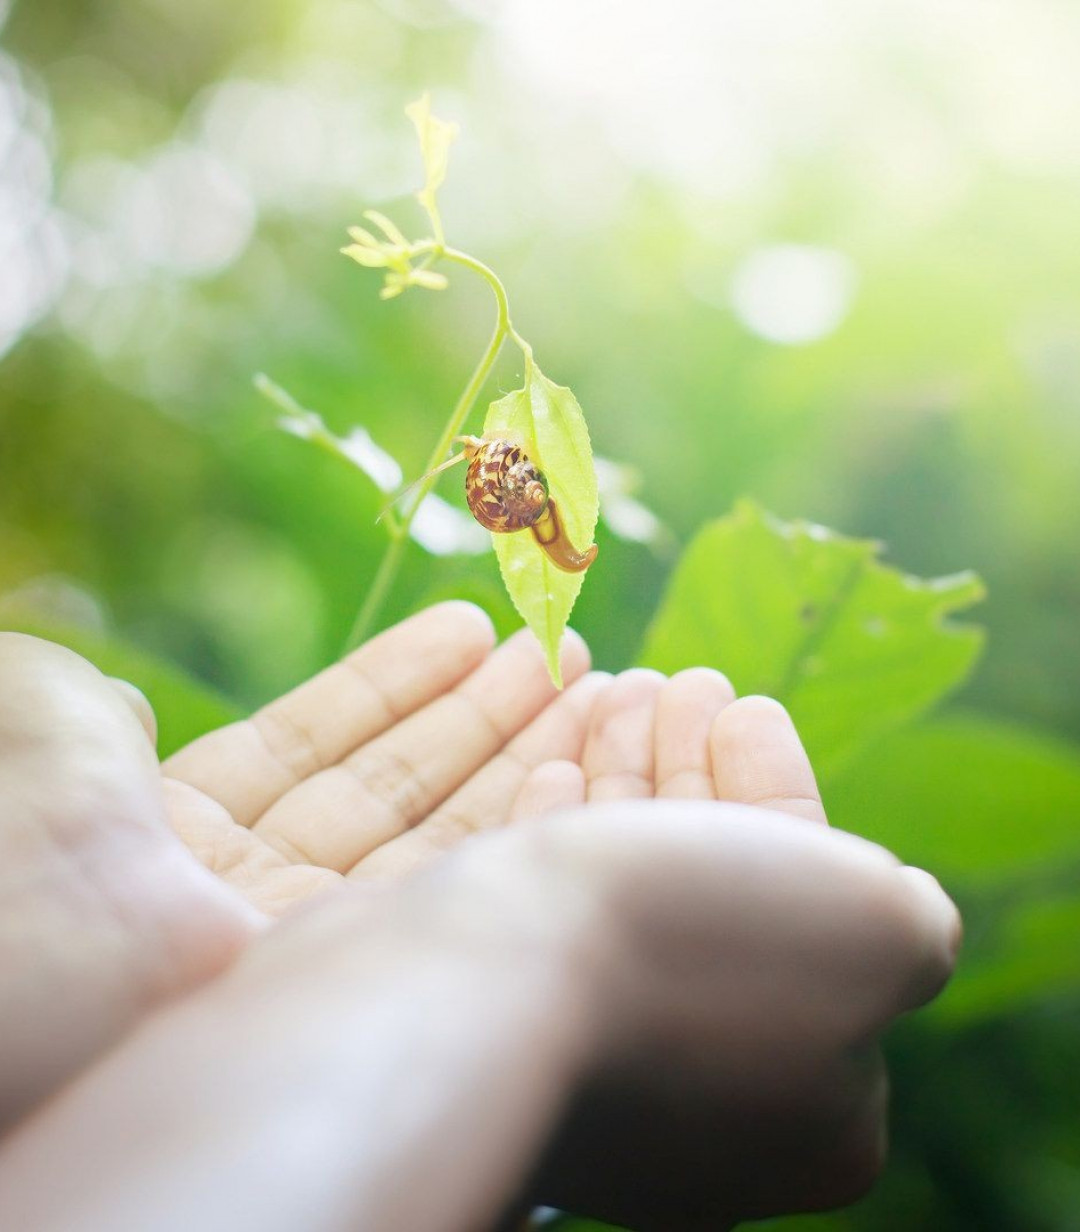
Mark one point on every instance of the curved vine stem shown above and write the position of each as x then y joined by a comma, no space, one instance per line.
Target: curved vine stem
386,574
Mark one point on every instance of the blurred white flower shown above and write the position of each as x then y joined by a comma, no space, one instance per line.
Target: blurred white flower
443,530
792,293
624,516
379,466
358,447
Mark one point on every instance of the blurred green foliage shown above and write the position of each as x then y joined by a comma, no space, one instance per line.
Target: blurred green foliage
175,182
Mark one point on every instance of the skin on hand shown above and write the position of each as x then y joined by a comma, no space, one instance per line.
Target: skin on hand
796,1118
713,1065
763,958
683,738
102,913
415,741
650,989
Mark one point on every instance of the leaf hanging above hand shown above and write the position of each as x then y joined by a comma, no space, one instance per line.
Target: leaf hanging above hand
546,421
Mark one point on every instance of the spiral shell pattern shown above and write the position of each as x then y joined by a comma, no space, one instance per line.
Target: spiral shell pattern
505,491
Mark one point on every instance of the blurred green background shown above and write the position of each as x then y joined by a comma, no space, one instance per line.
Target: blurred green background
826,255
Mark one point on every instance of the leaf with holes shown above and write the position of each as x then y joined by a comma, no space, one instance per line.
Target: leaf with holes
546,421
851,646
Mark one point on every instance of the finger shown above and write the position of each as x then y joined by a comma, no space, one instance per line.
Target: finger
486,800
685,709
103,913
136,699
758,759
249,765
937,931
238,857
618,758
552,786
342,814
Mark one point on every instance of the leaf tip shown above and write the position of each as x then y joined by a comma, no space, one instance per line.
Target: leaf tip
554,664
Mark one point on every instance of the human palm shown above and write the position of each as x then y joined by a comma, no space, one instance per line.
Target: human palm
386,761
426,735
378,765
419,739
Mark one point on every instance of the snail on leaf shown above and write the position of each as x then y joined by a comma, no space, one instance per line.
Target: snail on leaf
507,492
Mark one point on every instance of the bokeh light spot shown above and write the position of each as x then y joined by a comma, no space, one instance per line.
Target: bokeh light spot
792,293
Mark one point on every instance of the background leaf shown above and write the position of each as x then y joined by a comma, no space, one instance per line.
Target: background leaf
851,646
991,809
976,800
1030,956
547,421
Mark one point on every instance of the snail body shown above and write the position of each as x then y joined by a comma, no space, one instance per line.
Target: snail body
506,491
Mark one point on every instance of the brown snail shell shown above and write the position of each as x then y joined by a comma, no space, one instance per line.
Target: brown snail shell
506,491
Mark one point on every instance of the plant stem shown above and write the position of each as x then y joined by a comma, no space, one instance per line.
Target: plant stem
378,591
386,574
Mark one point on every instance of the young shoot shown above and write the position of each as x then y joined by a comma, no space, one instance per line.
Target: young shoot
530,478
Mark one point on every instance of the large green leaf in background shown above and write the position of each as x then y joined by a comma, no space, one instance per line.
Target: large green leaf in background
184,707
851,646
1032,955
979,802
547,421
994,811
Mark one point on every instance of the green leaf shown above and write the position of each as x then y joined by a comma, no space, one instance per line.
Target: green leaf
545,419
976,801
184,707
357,449
851,646
1032,956
435,138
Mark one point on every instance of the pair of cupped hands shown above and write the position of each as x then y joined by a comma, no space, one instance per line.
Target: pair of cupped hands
423,942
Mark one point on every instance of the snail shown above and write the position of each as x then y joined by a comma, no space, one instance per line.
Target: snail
507,492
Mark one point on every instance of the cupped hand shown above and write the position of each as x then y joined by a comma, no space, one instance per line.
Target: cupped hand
764,1090
676,997
754,961
686,737
422,737
716,974
104,914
